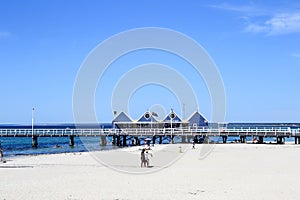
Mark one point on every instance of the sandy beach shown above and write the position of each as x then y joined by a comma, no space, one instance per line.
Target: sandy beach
230,171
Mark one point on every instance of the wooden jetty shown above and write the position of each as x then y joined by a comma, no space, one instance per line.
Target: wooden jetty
121,136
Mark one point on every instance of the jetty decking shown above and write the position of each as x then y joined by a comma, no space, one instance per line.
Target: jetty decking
120,136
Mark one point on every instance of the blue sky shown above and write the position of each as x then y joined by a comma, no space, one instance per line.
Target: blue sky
255,45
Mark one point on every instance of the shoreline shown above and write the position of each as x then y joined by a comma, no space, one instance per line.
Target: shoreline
126,147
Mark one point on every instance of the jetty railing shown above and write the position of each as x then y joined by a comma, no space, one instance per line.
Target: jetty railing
85,132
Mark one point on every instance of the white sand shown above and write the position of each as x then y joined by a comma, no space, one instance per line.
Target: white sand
231,171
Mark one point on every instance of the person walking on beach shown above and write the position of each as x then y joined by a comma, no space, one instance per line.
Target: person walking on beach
147,158
143,158
1,154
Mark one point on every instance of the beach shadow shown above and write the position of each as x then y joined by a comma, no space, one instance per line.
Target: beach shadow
15,166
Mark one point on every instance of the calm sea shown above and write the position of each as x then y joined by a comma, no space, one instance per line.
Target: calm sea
14,146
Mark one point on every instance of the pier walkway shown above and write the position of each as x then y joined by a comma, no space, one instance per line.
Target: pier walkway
120,137
85,132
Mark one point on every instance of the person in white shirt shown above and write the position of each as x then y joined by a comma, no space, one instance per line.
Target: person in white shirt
147,158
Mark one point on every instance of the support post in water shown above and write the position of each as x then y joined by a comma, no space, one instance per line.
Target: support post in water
71,143
280,140
113,140
183,139
260,139
124,140
153,139
103,140
297,140
136,141
206,139
224,138
189,138
160,139
171,139
243,139
34,141
118,140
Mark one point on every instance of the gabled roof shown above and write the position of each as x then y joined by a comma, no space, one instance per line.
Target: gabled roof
197,118
122,117
145,118
175,119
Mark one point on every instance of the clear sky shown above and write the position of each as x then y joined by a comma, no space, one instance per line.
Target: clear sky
255,45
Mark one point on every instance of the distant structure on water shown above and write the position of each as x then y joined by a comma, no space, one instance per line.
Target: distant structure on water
149,120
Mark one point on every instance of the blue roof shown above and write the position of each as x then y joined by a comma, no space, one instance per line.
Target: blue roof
175,119
197,118
122,117
145,119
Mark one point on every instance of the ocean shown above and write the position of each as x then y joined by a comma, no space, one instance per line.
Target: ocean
16,146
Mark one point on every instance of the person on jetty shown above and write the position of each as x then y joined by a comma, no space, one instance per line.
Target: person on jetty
143,158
